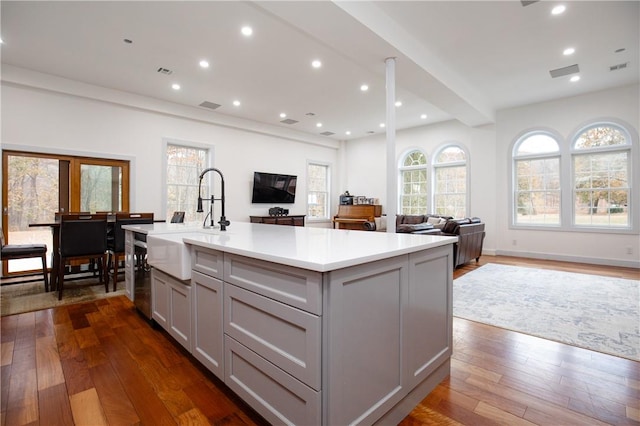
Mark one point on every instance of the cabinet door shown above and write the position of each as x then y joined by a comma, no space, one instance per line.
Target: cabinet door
207,320
159,298
364,333
428,326
180,312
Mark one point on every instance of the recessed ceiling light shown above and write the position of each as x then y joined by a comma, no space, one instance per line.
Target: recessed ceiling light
558,9
382,124
318,124
348,132
316,64
568,51
398,103
423,116
574,78
283,115
236,103
204,63
247,31
364,87
175,86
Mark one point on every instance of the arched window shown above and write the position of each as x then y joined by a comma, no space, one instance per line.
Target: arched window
450,181
536,177
601,156
413,183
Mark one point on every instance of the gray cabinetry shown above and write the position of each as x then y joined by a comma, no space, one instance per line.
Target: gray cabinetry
391,317
355,345
171,306
207,319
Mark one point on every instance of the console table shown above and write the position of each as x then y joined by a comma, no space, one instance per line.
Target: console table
293,220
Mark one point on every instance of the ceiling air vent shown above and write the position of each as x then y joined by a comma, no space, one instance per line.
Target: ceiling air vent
289,121
618,67
327,133
310,114
210,105
560,72
165,71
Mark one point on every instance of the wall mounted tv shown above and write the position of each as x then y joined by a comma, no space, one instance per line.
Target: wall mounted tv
273,188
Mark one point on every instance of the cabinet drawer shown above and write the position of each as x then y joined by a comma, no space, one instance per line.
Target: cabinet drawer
286,336
294,286
278,397
207,261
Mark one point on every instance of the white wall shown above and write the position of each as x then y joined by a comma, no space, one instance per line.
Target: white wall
44,113
49,121
366,170
566,116
489,152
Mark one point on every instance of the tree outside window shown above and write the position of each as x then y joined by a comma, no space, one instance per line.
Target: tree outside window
413,184
184,165
450,182
317,191
601,177
537,192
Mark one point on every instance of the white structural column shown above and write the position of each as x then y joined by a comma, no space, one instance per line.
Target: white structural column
392,182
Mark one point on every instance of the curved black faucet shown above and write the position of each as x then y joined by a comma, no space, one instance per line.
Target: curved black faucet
223,220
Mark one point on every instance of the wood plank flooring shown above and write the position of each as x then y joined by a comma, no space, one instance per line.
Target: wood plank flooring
100,363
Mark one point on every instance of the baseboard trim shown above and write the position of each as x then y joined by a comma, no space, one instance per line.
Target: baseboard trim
566,258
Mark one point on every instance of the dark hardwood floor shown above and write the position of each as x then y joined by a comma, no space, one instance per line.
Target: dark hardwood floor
101,363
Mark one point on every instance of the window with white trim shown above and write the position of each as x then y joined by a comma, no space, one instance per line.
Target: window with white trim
413,183
318,191
450,182
184,165
537,186
600,159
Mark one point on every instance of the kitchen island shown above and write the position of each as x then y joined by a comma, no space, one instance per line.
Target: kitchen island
310,326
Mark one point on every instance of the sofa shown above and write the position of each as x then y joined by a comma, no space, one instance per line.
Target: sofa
420,224
470,233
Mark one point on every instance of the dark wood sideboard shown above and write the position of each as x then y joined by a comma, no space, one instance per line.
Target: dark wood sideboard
294,220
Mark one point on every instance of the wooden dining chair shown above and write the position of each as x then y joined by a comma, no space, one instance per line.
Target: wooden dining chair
25,251
115,242
83,236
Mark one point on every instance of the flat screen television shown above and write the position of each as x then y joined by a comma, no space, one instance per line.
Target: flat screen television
273,188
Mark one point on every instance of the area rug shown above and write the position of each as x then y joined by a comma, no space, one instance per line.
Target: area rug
20,298
589,311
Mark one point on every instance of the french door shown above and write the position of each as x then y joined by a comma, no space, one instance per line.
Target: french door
35,186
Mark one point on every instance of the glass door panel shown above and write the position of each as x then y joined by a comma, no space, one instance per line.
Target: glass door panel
100,188
32,196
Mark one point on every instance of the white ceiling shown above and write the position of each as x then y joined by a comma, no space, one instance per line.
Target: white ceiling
459,60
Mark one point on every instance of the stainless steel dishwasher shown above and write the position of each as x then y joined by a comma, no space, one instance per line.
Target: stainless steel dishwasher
142,282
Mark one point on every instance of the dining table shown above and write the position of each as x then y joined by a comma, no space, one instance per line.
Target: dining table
55,252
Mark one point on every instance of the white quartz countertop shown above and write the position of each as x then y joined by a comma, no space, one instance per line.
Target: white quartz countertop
317,249
164,228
